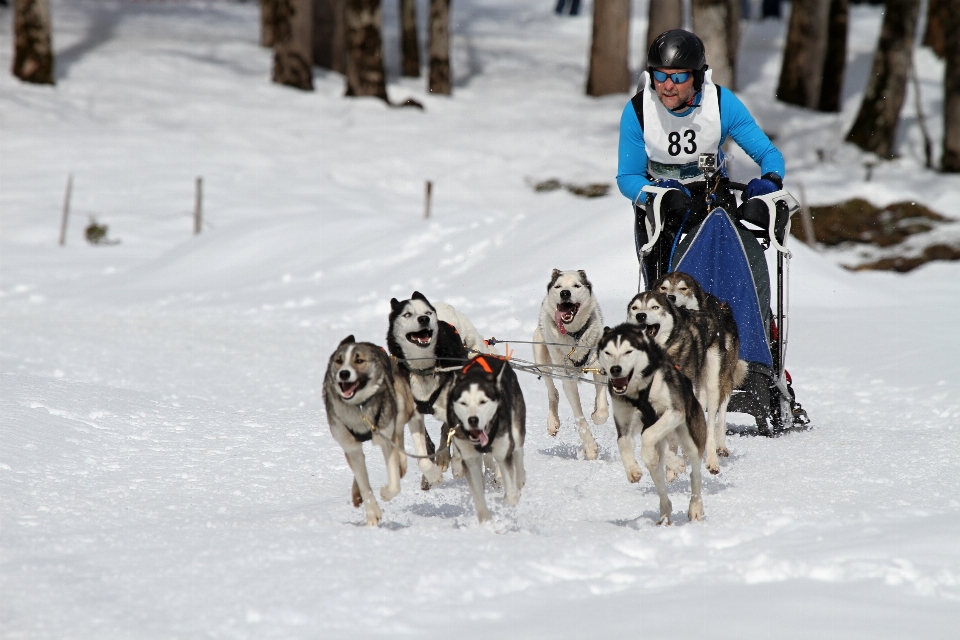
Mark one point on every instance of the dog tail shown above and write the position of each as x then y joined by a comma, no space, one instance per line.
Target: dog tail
740,373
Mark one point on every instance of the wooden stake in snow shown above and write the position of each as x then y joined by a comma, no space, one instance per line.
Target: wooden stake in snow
806,219
198,208
66,210
426,207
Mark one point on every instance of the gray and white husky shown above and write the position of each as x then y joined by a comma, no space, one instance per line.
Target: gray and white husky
685,292
567,333
692,342
488,414
366,400
651,398
426,339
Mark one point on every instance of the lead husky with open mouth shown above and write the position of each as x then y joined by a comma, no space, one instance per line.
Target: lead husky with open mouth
428,341
651,398
365,400
567,333
487,411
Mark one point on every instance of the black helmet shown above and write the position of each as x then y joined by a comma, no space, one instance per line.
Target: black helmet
679,49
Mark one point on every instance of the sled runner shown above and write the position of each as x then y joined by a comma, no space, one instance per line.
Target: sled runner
725,251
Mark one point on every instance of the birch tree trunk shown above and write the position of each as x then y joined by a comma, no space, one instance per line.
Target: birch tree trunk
711,21
876,125
951,107
409,40
801,73
268,9
439,80
664,15
835,60
293,44
364,49
33,46
610,48
937,19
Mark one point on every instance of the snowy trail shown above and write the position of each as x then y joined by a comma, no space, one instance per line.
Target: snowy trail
166,469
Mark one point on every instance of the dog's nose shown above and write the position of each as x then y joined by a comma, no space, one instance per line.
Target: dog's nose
672,298
616,370
473,421
565,294
642,318
344,375
424,320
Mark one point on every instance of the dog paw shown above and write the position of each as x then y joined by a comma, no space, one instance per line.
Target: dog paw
553,425
443,460
600,415
695,513
712,464
634,474
388,494
373,515
723,452
355,494
431,477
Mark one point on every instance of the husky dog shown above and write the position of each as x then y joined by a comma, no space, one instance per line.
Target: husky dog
684,291
424,338
365,400
570,316
652,398
488,414
692,343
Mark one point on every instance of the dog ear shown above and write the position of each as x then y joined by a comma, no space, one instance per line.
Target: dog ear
395,304
348,340
419,296
553,278
583,276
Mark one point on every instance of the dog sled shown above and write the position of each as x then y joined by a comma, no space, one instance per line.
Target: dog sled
725,250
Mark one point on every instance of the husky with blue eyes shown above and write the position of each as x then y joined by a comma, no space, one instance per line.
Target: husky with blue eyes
565,342
487,412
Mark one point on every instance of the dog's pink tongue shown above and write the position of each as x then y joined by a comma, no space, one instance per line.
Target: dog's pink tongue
558,318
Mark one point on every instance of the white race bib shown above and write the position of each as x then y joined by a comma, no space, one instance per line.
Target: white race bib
674,143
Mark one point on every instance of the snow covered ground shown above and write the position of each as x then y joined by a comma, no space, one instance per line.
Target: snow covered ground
166,470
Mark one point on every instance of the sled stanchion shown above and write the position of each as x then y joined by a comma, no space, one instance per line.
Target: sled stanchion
66,210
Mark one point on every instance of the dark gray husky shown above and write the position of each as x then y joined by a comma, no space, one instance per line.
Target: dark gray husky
487,411
653,399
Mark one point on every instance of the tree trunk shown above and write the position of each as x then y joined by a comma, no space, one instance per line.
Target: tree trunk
409,42
935,35
293,44
734,15
364,47
324,32
710,22
951,107
834,63
439,81
876,124
33,48
803,54
610,48
664,15
268,9
801,73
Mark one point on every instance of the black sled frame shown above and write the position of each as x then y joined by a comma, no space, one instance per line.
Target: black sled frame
765,394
